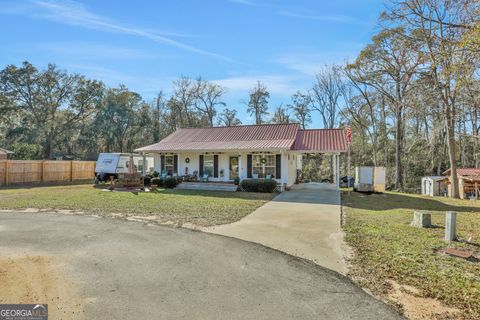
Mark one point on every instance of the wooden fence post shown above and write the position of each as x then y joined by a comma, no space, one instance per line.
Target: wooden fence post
42,179
6,173
71,170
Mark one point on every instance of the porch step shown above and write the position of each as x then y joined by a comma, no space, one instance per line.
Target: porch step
207,186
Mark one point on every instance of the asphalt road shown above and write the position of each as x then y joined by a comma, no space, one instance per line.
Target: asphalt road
129,270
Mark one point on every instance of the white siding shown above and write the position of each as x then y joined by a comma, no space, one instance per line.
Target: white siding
288,165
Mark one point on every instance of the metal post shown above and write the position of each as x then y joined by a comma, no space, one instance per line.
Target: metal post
144,159
450,226
348,169
336,175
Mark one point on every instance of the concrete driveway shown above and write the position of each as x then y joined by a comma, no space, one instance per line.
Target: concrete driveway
305,222
112,269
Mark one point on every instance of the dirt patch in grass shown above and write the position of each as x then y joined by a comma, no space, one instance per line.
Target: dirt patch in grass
203,208
416,307
36,279
387,248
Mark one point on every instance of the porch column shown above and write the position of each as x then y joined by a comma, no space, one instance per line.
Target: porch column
336,168
144,159
240,166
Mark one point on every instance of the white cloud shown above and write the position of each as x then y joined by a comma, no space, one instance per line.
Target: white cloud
276,84
330,18
76,14
81,50
311,63
245,2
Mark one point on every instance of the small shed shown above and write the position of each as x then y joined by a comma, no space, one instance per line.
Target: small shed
4,153
434,186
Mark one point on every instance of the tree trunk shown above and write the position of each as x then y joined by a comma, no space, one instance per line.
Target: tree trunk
452,154
398,150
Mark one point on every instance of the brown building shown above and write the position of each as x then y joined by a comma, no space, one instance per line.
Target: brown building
4,153
468,182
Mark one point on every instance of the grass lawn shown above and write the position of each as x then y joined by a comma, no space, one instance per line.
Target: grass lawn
386,247
203,208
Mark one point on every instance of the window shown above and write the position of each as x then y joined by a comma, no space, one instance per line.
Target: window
263,165
169,165
141,164
208,165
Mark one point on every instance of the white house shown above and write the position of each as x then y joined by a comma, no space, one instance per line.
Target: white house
246,151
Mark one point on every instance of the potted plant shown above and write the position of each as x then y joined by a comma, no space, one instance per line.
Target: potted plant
222,173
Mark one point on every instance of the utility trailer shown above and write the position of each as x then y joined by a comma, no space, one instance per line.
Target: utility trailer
370,179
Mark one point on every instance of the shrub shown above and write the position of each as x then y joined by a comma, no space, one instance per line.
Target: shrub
156,174
147,180
178,179
170,182
255,185
236,181
156,181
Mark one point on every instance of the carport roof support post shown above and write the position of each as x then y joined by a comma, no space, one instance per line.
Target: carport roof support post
450,226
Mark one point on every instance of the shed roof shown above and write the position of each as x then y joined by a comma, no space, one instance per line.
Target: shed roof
252,138
465,172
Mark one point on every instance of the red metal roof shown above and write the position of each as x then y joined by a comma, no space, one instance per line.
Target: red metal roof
252,137
321,140
465,172
246,137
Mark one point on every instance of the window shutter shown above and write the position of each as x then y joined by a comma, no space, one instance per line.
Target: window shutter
278,166
200,167
175,164
215,166
249,166
162,163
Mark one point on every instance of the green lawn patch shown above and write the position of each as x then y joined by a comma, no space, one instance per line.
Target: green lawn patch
203,208
387,247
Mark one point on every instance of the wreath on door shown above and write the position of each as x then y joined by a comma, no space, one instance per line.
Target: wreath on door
187,160
263,160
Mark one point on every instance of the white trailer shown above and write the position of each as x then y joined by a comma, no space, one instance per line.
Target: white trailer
434,186
111,164
370,179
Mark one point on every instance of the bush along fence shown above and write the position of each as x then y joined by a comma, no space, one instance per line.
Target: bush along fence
40,171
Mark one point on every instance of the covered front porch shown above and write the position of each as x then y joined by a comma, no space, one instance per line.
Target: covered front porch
228,166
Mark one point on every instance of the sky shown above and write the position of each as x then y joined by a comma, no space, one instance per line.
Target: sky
147,44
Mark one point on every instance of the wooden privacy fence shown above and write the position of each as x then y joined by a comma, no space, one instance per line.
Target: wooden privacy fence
38,171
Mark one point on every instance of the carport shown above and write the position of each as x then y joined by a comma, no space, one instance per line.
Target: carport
330,142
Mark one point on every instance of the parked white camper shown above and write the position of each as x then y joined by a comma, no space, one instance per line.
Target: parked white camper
433,186
370,179
111,164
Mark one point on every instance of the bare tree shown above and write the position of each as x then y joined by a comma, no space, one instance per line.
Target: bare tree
208,97
258,103
281,115
182,102
326,94
302,108
229,118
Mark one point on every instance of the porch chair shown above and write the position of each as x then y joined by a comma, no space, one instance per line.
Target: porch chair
255,176
268,177
204,178
164,174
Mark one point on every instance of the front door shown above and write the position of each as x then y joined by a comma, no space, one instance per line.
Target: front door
233,167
